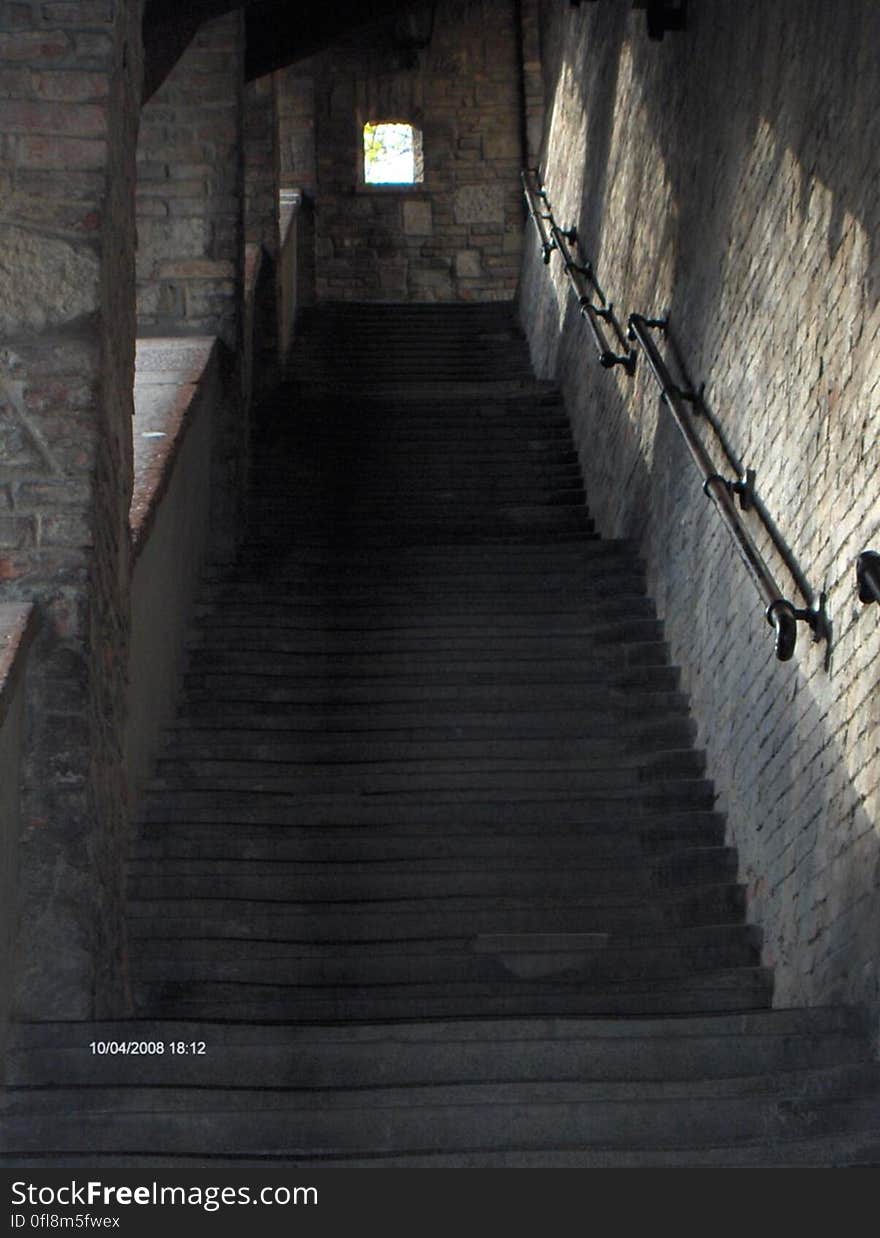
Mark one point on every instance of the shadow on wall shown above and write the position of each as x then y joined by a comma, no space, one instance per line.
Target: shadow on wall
728,175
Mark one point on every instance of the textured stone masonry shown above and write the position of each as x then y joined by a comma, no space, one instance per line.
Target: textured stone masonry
191,191
730,174
70,80
457,235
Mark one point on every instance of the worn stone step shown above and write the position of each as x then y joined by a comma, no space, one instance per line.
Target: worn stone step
858,1149
820,1087
274,746
342,881
689,910
556,811
375,845
625,837
740,989
431,822
519,1125
603,707
294,969
397,606
486,689
437,644
238,1055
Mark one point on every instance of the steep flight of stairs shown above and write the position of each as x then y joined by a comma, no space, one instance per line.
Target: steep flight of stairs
429,862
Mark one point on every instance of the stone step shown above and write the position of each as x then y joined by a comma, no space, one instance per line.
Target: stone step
555,812
746,1099
377,846
343,881
432,823
859,1149
216,644
741,988
510,559
604,707
489,690
580,1051
690,911
350,971
573,660
413,781
398,606
315,748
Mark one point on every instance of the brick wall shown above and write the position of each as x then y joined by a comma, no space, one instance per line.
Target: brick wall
729,173
458,235
190,259
70,82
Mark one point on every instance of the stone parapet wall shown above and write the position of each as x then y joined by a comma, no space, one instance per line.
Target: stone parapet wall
17,626
178,401
456,236
729,174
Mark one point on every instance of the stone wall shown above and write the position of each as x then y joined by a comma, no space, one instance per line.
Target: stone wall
729,174
190,259
70,79
458,234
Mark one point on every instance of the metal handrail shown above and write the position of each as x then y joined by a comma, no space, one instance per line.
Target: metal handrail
781,614
581,274
538,218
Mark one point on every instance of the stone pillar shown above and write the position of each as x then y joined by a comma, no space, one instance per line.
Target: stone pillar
190,258
262,164
262,233
71,80
533,79
296,108
190,213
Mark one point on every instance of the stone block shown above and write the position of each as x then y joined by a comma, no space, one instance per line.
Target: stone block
468,263
44,281
417,217
61,154
477,204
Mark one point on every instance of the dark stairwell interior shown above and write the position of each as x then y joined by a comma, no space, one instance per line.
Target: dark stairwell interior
429,864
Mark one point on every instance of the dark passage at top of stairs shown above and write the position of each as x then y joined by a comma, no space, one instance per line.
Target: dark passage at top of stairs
429,860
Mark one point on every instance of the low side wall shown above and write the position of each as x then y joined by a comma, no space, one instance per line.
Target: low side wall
16,629
177,394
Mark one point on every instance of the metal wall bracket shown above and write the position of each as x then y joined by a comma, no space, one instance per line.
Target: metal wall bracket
868,576
784,617
744,489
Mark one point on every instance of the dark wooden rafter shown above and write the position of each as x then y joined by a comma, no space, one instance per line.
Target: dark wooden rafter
279,32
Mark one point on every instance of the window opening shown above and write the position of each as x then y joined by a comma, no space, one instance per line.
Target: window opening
392,154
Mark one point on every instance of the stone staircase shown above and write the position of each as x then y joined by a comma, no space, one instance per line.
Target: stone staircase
429,863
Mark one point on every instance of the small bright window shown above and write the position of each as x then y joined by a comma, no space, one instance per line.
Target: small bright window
392,154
